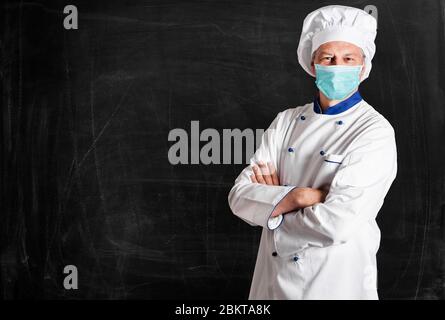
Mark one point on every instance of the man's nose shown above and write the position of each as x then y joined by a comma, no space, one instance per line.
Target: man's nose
336,62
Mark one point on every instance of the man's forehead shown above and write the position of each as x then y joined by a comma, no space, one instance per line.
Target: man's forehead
343,52
343,47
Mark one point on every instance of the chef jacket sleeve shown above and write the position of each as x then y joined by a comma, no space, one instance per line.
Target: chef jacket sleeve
254,202
356,194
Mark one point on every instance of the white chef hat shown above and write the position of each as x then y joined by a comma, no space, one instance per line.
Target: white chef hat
337,23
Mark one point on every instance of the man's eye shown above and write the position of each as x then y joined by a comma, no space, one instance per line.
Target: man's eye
327,58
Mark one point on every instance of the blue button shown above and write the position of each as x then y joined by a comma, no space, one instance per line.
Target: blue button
302,117
322,152
339,122
295,258
285,185
290,149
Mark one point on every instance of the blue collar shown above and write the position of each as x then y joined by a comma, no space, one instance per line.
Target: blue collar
339,107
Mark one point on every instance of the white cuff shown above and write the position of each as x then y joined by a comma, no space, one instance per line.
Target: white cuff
275,222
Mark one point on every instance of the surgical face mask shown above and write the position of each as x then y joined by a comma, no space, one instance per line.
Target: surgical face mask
337,82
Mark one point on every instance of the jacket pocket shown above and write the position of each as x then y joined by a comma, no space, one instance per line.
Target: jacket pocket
334,158
327,170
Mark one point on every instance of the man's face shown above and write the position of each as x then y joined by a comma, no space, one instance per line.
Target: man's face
338,53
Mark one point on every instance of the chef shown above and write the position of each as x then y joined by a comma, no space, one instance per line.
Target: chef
321,173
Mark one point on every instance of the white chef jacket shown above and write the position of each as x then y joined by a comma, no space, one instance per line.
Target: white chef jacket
327,250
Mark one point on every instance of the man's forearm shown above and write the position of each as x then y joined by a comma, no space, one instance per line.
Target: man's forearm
299,198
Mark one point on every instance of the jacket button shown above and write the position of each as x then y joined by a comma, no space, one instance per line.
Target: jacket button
322,152
339,122
274,253
290,149
295,258
302,117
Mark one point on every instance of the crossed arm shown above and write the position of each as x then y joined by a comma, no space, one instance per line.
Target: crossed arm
297,198
355,195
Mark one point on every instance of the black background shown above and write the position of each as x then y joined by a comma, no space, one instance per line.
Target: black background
85,120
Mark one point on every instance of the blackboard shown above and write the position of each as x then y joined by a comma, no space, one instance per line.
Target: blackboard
86,115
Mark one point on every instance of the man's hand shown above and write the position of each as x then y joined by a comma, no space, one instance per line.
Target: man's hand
309,196
265,173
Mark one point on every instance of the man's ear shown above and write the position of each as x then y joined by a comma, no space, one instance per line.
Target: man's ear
313,61
362,73
313,66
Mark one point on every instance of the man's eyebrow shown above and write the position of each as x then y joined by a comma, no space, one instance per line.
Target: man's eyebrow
350,54
326,52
